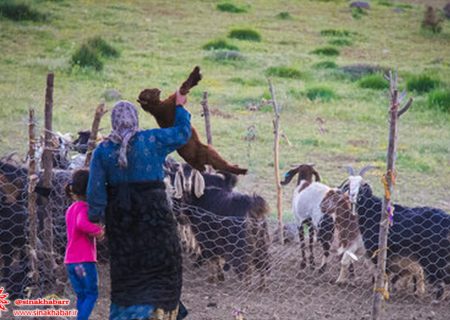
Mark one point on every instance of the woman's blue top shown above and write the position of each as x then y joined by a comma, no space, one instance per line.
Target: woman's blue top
147,151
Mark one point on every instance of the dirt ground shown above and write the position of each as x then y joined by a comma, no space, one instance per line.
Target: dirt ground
291,294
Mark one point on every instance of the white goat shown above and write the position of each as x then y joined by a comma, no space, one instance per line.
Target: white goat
306,201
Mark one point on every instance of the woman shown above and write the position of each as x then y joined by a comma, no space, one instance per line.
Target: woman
126,182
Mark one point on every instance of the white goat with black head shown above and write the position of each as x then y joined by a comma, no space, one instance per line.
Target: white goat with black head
306,201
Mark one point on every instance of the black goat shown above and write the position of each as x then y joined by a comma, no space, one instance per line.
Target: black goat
226,224
421,232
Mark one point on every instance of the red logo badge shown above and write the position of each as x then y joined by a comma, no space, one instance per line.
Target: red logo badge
3,300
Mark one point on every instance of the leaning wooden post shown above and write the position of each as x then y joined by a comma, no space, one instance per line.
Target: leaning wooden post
99,113
47,163
380,291
276,146
32,209
206,114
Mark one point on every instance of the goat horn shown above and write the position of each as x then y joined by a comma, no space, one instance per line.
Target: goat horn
365,169
350,170
342,184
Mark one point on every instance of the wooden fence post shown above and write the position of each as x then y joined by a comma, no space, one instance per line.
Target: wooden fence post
47,163
276,147
99,113
32,208
380,292
206,114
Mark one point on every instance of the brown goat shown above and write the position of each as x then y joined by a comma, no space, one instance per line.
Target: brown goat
194,152
337,204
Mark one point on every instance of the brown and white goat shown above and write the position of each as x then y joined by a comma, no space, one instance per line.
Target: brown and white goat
306,209
351,247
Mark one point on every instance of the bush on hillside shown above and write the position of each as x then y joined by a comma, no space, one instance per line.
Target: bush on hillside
422,83
245,34
326,51
431,21
320,93
283,72
325,65
340,42
91,52
20,12
229,7
220,45
374,81
439,99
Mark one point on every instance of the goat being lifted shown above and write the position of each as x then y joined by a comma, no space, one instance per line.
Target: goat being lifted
194,152
227,225
420,233
306,201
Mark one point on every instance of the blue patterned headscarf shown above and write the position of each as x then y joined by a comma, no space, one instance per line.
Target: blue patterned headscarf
125,123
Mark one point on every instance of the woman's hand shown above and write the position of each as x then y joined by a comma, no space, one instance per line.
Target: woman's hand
101,235
180,100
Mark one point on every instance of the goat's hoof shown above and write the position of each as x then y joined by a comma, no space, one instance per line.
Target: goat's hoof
211,280
303,265
221,277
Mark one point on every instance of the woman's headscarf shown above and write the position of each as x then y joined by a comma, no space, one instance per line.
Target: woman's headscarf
125,123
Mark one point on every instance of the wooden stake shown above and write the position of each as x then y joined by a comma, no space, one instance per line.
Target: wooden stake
380,292
99,113
47,163
32,207
276,147
206,114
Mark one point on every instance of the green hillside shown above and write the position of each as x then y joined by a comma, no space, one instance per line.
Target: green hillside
332,115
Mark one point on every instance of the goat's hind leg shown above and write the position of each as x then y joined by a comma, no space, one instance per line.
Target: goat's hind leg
301,235
312,263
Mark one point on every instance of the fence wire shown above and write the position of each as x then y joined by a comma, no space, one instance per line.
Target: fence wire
235,267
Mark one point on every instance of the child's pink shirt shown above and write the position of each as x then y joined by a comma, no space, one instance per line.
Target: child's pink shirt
81,245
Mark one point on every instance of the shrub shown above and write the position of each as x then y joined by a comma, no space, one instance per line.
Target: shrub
284,15
320,93
422,83
431,21
284,72
335,33
99,45
326,51
86,57
386,3
373,81
358,13
325,65
90,53
226,55
439,99
356,71
245,34
229,7
20,12
220,45
340,42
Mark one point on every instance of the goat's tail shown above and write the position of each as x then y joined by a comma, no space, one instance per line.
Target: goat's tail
259,208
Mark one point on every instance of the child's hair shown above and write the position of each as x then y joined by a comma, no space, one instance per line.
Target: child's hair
79,183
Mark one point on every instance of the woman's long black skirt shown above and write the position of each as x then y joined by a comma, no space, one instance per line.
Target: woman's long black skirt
145,253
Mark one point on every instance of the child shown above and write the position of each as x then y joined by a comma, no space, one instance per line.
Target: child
81,252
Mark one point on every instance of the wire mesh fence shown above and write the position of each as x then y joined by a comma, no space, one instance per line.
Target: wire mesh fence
234,265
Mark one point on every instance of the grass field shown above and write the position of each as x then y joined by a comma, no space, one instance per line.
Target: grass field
329,118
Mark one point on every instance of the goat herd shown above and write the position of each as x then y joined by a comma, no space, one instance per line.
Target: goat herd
229,230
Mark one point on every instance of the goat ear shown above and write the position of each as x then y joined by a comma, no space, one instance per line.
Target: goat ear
316,174
199,184
288,176
178,186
